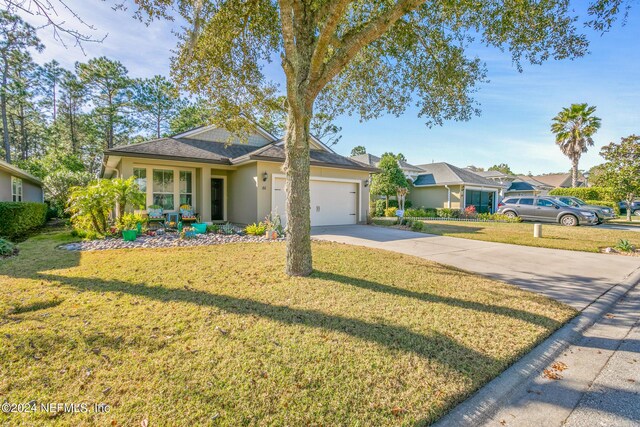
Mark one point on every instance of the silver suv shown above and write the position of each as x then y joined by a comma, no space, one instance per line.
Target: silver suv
546,209
603,212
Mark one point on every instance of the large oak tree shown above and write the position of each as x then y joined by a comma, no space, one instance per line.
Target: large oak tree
369,57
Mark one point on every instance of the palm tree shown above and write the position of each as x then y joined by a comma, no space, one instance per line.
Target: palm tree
574,127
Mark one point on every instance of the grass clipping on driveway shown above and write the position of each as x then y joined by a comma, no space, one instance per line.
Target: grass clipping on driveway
219,335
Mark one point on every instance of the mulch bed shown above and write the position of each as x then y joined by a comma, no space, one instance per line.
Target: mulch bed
164,241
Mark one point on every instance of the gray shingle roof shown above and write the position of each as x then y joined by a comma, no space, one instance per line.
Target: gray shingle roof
318,157
189,149
444,173
371,160
520,186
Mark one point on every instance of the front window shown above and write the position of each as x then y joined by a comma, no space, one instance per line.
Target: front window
163,188
16,189
140,175
186,194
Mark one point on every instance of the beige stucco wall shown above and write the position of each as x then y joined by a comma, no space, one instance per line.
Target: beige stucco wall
272,168
201,185
435,197
5,186
30,192
247,197
242,189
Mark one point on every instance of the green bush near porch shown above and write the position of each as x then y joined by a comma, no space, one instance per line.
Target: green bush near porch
21,218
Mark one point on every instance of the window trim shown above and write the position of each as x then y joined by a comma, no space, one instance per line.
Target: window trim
173,188
17,189
180,192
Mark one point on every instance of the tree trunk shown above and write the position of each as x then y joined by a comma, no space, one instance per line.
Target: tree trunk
629,204
387,201
3,112
574,172
297,170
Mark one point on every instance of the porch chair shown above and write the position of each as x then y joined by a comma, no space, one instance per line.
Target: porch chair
156,215
187,216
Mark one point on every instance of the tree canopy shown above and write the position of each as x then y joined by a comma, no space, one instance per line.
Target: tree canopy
389,179
502,167
621,171
358,150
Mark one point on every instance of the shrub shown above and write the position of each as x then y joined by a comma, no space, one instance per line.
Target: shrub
58,185
130,221
470,212
615,206
256,229
448,213
385,221
586,193
497,217
20,218
625,246
390,212
7,248
380,207
213,228
273,222
417,225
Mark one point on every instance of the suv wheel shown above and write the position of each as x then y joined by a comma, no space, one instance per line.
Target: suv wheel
569,221
511,214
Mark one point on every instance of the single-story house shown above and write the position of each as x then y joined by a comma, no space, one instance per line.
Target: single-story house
410,171
442,185
515,185
226,179
557,180
532,186
17,185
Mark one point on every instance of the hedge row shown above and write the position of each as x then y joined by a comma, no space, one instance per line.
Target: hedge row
586,193
19,218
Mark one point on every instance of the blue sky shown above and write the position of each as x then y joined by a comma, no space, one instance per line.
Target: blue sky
516,107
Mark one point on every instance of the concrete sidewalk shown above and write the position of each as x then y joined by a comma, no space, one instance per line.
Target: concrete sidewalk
575,278
599,384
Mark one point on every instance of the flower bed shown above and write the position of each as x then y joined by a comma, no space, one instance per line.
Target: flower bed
163,241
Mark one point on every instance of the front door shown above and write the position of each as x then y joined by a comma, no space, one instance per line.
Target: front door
217,199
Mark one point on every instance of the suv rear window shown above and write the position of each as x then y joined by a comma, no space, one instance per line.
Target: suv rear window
509,201
526,201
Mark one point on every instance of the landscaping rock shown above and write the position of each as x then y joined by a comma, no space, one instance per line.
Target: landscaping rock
164,241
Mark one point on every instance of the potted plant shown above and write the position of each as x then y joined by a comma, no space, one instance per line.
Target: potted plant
274,226
199,227
130,224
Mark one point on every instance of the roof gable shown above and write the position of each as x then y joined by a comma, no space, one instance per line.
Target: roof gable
444,174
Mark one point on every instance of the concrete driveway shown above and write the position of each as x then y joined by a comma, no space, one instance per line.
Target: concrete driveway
575,278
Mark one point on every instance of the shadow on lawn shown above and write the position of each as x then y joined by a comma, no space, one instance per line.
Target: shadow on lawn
422,296
477,366
450,228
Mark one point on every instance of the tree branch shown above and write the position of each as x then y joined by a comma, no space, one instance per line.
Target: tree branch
334,13
353,42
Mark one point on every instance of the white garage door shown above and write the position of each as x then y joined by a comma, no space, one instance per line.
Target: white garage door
332,202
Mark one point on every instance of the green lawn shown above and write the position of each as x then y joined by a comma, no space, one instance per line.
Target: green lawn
583,238
219,335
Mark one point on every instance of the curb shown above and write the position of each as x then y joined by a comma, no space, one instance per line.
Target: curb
486,401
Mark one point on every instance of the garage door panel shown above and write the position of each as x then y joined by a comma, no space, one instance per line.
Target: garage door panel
332,202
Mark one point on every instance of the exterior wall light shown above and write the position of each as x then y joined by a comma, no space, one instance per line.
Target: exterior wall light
265,176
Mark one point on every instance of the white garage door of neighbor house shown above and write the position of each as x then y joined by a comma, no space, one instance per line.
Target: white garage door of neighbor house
332,202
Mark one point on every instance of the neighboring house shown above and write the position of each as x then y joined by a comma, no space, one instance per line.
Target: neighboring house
17,185
441,185
557,180
225,179
410,171
531,186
